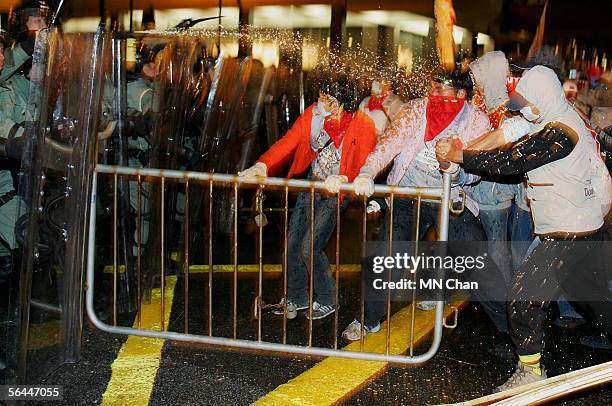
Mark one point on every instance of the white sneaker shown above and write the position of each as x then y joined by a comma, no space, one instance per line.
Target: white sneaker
320,311
353,331
292,309
521,376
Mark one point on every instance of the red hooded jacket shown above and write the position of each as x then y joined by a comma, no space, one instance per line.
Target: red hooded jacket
359,141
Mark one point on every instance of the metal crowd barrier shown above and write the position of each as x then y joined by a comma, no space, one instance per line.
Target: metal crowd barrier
441,195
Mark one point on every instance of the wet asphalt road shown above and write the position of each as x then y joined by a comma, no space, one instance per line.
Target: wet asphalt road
463,369
196,375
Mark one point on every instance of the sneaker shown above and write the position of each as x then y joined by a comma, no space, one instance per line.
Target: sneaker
292,309
522,376
426,305
320,311
353,331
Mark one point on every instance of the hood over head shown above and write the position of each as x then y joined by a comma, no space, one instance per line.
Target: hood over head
490,72
541,87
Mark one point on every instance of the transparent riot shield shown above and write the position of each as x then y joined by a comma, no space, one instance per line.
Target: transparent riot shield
176,88
61,127
229,139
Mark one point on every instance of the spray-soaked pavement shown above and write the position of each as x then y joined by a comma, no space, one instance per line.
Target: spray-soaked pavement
196,375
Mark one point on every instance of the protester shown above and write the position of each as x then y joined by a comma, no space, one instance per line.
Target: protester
521,229
329,141
571,92
382,105
600,101
409,143
500,200
568,199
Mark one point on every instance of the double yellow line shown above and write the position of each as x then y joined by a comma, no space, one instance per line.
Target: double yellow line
329,382
135,368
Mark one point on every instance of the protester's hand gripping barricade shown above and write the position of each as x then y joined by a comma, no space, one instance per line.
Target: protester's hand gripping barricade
232,324
201,112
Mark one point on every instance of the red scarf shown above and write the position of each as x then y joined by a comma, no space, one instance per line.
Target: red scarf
441,111
376,102
336,129
496,116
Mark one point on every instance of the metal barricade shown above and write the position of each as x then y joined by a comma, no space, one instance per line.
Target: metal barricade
209,180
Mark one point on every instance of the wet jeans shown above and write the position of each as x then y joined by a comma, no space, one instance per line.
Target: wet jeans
495,226
464,227
298,261
565,308
521,231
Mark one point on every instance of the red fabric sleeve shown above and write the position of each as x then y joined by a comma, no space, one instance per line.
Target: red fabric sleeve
363,136
283,150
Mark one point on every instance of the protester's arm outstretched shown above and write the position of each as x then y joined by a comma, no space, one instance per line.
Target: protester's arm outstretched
553,142
391,143
511,130
490,140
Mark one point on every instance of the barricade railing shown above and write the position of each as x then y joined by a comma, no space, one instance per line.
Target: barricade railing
209,181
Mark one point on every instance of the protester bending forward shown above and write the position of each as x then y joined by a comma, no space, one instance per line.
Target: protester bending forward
382,105
410,144
568,196
330,142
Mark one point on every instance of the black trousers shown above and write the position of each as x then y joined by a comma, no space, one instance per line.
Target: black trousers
580,268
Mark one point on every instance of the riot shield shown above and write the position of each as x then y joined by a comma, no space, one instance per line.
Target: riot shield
59,154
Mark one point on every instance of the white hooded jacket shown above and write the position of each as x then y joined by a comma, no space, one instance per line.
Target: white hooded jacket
570,194
490,73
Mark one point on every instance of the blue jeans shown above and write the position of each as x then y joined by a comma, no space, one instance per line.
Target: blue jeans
566,309
495,226
298,261
521,232
464,227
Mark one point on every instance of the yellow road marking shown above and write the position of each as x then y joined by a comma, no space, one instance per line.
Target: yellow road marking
135,368
335,379
246,268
